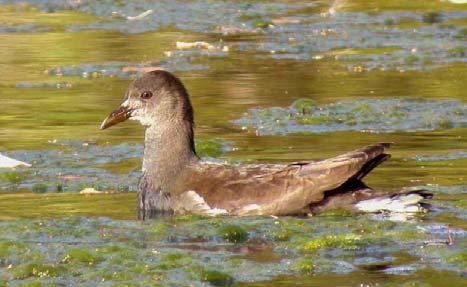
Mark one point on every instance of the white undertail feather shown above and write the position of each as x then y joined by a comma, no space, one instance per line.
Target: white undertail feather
8,162
403,203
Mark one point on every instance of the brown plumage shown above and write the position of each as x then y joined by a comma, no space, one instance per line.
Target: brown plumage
176,180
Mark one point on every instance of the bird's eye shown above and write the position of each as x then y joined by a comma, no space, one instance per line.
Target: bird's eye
146,95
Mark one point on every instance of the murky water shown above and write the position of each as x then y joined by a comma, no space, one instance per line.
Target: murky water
274,82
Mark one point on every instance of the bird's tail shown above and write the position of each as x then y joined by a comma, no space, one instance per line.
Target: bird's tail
358,197
355,196
405,202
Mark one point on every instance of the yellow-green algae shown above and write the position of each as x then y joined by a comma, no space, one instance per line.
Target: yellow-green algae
346,241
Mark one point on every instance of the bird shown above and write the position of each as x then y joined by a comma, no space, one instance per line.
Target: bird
175,180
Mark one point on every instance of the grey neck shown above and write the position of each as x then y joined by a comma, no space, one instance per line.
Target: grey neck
168,149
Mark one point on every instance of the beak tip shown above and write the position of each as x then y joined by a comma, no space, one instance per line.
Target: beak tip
103,125
119,115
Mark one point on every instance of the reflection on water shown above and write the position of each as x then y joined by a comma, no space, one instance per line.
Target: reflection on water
358,65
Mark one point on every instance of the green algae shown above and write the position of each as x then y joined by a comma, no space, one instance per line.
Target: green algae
233,233
304,106
346,241
115,168
6,247
175,260
38,270
39,188
368,115
81,256
458,51
13,178
217,278
193,258
305,266
432,17
110,249
261,23
389,22
411,59
315,120
283,235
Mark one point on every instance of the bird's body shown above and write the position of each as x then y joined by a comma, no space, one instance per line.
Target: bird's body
175,180
262,189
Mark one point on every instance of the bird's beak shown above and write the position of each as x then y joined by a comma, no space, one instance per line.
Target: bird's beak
119,115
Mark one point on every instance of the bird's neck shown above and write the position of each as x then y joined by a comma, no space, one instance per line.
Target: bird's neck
168,149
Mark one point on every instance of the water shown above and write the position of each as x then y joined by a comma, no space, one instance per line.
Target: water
365,71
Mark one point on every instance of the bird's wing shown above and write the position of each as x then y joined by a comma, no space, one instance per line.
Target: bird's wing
274,189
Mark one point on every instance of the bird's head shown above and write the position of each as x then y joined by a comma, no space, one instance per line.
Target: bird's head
156,98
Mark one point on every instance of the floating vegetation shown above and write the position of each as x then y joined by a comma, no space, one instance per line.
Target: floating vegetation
11,177
217,278
25,28
456,189
233,233
123,70
175,61
346,241
39,188
58,86
81,256
445,157
369,115
190,252
432,17
368,33
288,31
75,165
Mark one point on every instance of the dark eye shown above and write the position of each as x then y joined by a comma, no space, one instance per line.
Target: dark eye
146,95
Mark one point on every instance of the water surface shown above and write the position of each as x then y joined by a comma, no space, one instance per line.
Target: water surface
281,82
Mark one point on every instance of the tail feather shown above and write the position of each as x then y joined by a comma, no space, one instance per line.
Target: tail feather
370,165
331,173
354,195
